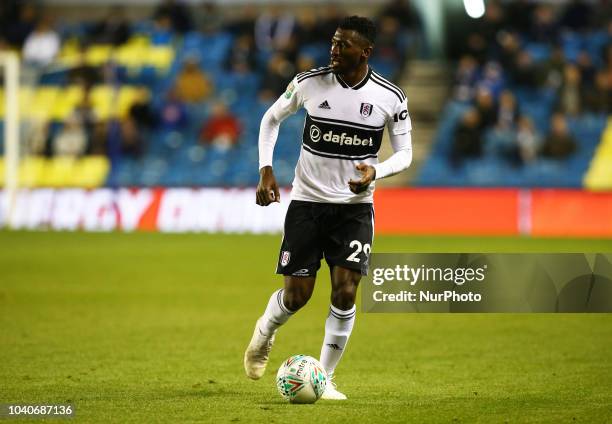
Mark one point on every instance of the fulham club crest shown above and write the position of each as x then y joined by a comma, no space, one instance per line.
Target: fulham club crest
285,256
366,109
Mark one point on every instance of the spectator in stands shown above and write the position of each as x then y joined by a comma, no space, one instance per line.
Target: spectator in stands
559,143
162,30
36,135
83,73
304,63
113,29
222,129
172,114
467,141
279,73
388,49
42,45
330,16
491,24
132,140
544,26
502,137
509,49
598,98
192,83
99,138
607,59
241,57
136,126
492,78
84,112
291,49
477,46
273,30
528,140
586,67
486,107
207,17
466,76
403,11
524,71
71,140
570,94
141,111
507,112
550,72
177,12
307,28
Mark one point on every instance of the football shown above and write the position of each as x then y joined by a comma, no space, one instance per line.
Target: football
301,379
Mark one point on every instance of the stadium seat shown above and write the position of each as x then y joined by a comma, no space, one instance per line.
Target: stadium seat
599,174
59,172
91,171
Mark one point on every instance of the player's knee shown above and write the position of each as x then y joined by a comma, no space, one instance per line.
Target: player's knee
296,297
295,301
343,296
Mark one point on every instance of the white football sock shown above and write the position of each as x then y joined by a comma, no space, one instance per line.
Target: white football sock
338,329
276,314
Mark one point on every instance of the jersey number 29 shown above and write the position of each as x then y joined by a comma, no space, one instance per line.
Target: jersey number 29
356,244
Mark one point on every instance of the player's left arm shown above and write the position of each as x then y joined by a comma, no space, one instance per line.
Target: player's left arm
399,160
401,141
399,126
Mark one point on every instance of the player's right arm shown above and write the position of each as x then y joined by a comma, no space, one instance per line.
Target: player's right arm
288,103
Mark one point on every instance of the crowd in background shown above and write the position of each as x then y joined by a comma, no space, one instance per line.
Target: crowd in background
557,56
267,43
562,53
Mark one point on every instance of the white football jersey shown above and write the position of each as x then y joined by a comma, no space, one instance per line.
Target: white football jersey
343,127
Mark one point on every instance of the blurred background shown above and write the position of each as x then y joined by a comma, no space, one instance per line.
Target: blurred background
145,114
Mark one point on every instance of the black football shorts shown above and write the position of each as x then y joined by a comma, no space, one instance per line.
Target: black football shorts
340,233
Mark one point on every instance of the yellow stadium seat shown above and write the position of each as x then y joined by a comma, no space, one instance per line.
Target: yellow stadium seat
31,171
101,99
160,57
59,171
98,54
42,102
26,97
91,172
66,102
599,174
126,98
139,40
130,55
70,52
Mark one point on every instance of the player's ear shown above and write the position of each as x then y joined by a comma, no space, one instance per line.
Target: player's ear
367,51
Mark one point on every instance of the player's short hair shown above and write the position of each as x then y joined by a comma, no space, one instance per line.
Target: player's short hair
363,26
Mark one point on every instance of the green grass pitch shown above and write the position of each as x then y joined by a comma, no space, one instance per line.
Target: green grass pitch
152,328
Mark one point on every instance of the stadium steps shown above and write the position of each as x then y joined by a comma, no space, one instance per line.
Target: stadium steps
426,85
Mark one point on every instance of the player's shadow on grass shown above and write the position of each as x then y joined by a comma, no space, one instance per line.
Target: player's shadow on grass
282,403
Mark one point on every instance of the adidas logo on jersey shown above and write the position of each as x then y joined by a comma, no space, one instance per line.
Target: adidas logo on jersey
324,105
342,139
